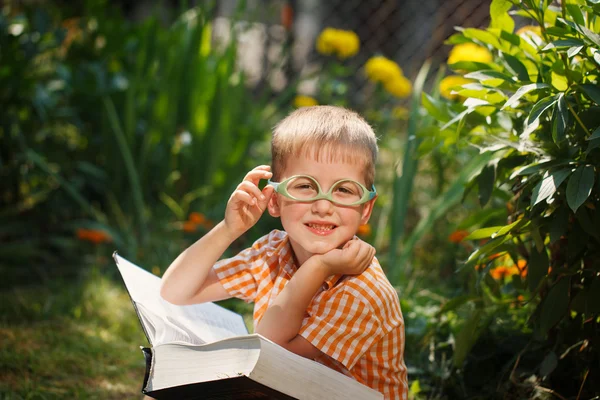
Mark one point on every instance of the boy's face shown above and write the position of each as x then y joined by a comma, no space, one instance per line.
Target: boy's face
319,226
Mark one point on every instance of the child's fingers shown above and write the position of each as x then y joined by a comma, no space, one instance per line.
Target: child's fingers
240,196
258,173
252,190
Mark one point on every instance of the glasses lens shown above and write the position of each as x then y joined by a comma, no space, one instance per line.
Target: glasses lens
347,192
302,188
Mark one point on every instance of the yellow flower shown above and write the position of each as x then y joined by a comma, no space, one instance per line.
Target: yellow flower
529,29
304,101
452,82
469,52
342,43
399,86
381,69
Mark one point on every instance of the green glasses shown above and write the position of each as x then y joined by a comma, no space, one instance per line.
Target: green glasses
304,188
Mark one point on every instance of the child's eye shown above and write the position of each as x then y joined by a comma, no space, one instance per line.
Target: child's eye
304,186
344,190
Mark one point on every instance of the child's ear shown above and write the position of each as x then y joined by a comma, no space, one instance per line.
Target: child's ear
273,206
367,210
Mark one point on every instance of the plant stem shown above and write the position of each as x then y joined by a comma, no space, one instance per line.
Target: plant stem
587,132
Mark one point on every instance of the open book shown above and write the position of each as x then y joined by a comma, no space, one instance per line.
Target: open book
204,351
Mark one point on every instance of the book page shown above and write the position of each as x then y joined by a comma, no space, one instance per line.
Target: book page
195,324
209,320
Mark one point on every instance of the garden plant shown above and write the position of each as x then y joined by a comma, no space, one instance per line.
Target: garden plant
530,98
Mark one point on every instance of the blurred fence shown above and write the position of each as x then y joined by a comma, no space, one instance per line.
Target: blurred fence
407,31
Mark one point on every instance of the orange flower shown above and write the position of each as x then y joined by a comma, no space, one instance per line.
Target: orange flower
189,226
287,17
522,265
197,218
503,271
495,255
364,230
93,235
458,236
520,298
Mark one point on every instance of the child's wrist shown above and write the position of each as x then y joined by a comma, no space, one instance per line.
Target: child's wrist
318,266
227,232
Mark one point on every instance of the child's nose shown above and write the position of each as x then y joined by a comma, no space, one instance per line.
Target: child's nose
322,207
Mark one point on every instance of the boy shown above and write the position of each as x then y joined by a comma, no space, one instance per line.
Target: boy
317,288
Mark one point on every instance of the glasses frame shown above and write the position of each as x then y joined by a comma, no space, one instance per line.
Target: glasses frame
281,188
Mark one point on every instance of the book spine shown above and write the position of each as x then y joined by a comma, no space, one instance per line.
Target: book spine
148,358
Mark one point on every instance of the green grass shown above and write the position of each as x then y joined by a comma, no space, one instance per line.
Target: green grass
76,338
70,339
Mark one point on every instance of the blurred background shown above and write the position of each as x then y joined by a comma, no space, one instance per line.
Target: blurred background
125,126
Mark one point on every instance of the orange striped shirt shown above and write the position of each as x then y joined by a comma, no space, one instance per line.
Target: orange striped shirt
355,321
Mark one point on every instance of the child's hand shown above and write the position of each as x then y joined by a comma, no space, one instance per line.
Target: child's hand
247,203
352,259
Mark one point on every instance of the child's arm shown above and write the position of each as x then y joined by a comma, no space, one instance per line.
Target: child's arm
190,278
283,319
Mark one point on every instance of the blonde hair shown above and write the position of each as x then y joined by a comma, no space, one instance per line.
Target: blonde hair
325,133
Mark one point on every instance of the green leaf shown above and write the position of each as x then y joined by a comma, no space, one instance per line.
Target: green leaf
563,44
493,231
548,185
522,91
594,144
559,221
560,119
485,37
555,305
516,67
486,249
536,167
456,302
549,364
470,66
539,108
586,221
596,56
434,107
580,186
595,134
490,74
537,268
499,15
575,11
573,51
485,181
587,301
466,338
592,91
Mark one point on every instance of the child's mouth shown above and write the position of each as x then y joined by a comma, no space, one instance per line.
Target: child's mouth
321,229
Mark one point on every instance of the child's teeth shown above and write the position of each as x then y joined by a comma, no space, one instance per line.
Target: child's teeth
321,227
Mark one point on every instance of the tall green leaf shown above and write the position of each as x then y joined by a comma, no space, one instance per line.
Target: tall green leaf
560,119
523,90
402,185
580,186
548,185
555,305
499,15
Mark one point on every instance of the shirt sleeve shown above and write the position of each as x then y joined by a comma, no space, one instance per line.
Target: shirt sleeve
342,326
238,274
